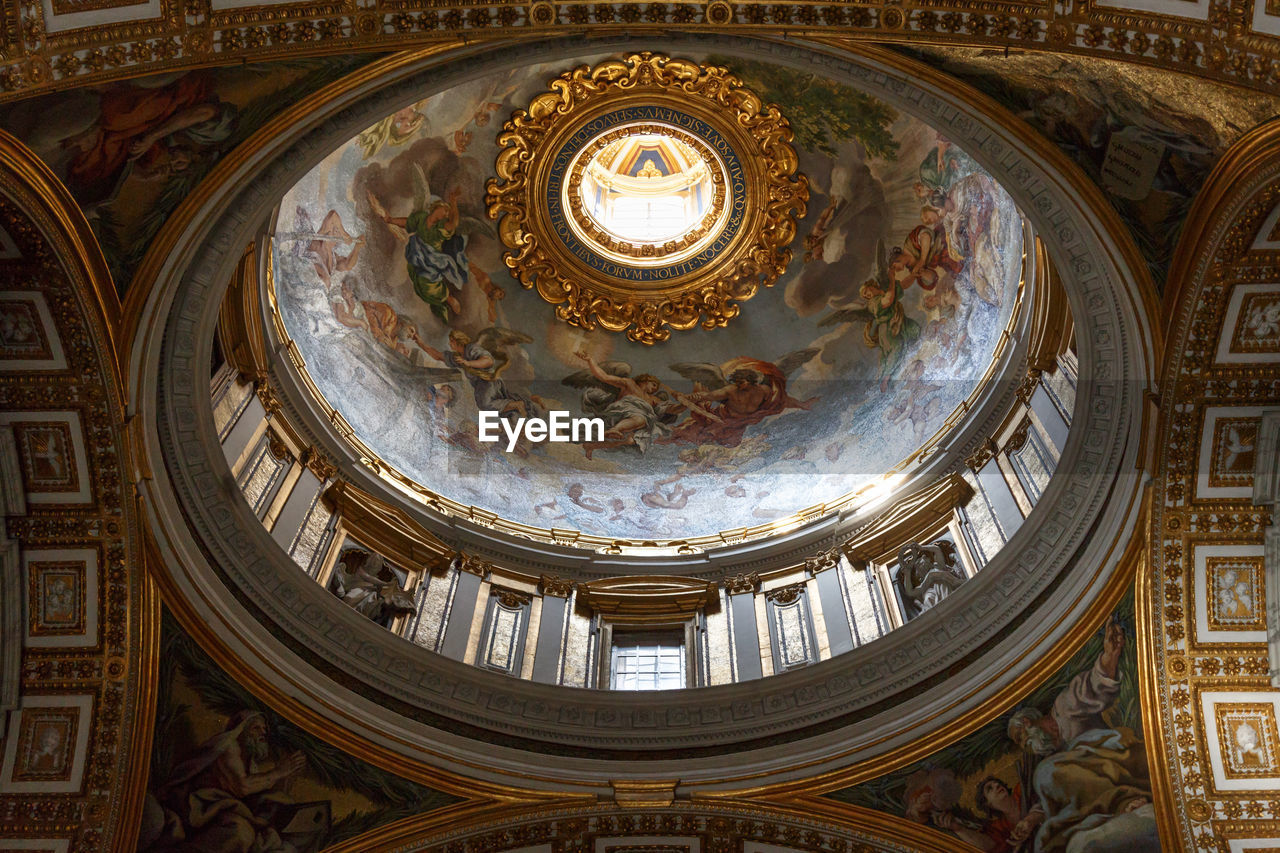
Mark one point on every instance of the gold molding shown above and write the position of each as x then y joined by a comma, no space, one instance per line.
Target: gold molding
313,106
913,516
1223,48
590,281
387,529
293,701
297,703
1147,623
240,320
414,828
1097,609
820,563
554,586
465,823
741,584
917,837
146,671
1052,326
40,198
473,565
647,596
638,794
1250,153
1241,190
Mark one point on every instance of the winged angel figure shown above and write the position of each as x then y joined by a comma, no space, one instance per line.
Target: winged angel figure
741,392
482,361
637,411
888,327
435,237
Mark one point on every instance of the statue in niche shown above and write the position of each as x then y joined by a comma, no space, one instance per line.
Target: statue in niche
927,574
369,586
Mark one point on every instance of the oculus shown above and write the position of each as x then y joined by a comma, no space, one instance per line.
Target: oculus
645,194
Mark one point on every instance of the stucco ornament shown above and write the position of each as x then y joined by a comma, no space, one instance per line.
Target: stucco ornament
741,171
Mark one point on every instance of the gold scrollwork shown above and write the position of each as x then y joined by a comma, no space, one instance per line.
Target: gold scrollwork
589,293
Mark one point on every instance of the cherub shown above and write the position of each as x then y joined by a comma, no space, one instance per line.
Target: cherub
482,361
887,326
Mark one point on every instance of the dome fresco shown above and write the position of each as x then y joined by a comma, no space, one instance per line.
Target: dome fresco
390,278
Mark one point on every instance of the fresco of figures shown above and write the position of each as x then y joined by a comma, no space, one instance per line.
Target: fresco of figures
1147,139
390,278
228,774
1064,770
131,151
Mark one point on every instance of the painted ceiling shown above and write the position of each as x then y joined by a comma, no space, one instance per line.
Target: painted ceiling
861,360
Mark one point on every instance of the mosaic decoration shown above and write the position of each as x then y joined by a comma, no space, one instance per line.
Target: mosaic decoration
45,745
1233,440
1258,327
1148,139
57,598
1251,331
1247,733
391,282
48,750
213,738
1066,769
1236,597
130,152
22,331
47,456
1227,452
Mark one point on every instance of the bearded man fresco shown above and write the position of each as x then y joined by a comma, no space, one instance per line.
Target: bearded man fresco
1091,780
217,801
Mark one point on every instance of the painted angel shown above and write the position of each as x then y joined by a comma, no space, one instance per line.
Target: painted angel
435,237
396,129
887,326
482,361
637,411
741,392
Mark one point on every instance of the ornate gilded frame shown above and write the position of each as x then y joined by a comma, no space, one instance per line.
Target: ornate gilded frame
590,280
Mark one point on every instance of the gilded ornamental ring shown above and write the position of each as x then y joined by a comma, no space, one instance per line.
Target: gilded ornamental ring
647,194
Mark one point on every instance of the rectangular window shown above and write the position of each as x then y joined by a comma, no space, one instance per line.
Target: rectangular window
647,661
